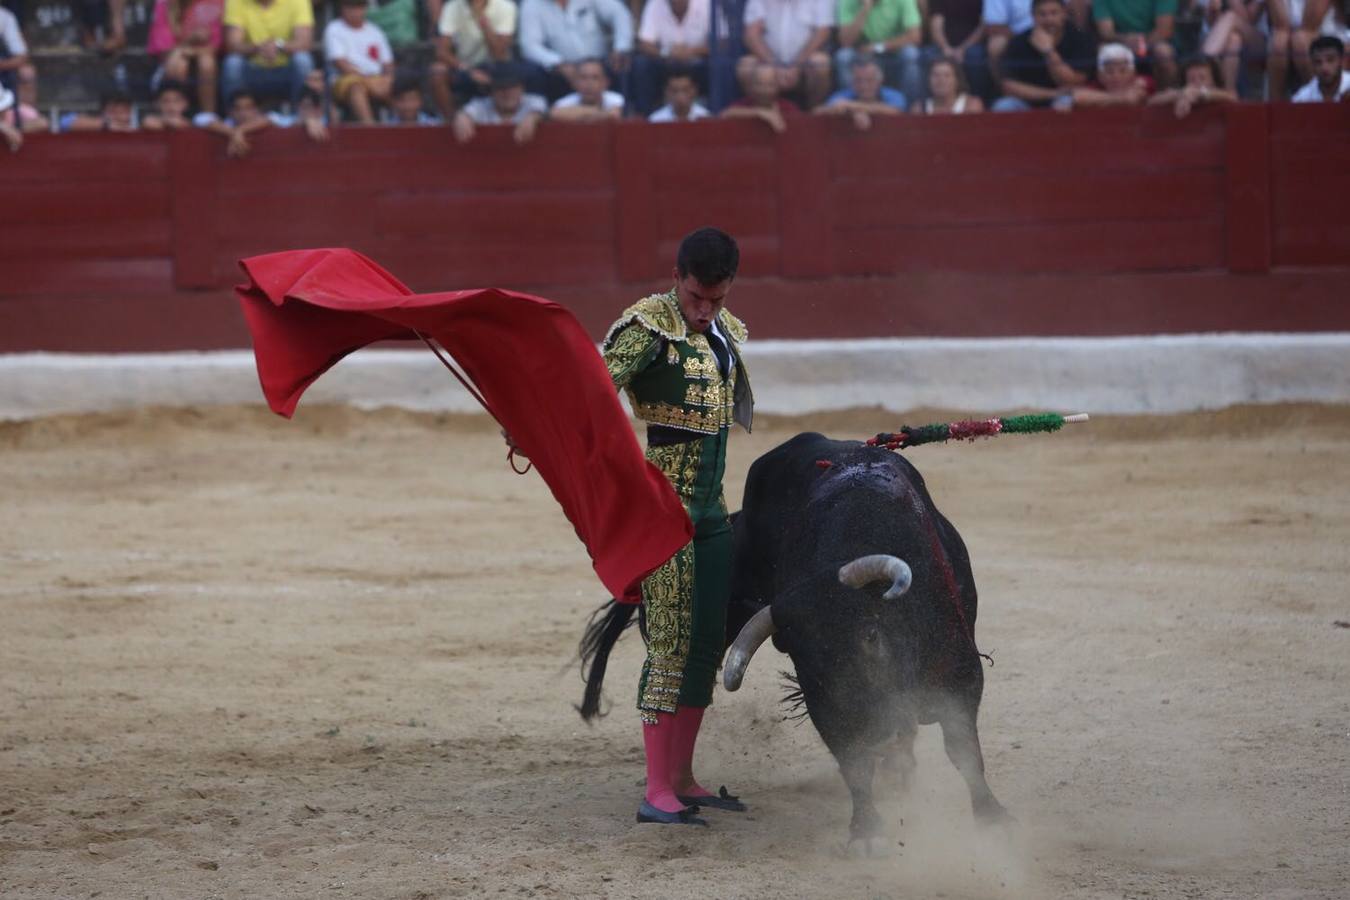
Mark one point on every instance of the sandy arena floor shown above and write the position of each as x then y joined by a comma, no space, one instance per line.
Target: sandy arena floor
330,658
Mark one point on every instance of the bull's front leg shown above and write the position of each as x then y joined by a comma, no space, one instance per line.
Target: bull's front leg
961,739
858,766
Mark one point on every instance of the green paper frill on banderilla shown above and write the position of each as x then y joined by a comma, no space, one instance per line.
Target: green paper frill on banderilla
970,429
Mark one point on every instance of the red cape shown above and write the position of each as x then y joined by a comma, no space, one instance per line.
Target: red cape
537,370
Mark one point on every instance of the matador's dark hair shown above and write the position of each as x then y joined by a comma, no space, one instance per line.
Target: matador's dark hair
709,254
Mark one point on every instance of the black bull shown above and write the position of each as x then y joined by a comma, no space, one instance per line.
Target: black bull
842,558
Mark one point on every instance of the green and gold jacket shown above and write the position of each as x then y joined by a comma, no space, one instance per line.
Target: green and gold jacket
671,373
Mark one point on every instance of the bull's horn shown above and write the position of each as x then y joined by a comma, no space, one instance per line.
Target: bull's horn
866,569
755,632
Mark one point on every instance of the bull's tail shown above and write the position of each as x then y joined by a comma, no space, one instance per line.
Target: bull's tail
603,631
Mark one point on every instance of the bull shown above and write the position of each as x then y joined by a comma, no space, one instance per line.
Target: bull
842,559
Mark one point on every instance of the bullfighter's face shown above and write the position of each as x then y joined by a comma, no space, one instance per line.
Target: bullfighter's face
700,303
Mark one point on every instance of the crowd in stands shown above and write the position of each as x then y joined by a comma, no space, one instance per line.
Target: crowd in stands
236,67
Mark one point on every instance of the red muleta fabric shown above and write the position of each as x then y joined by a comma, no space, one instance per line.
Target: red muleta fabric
535,366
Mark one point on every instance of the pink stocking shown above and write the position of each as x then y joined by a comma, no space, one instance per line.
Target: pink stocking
658,740
687,722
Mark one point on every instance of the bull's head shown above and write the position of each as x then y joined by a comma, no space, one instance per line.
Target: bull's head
858,574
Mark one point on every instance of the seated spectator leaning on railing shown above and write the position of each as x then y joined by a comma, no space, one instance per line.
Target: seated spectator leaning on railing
361,59
1200,77
248,118
116,112
507,103
763,100
1146,27
947,92
1045,63
790,36
1227,31
866,96
471,35
185,36
1117,83
556,35
592,101
1330,83
9,131
672,36
681,100
171,108
267,45
405,107
889,31
1308,19
958,33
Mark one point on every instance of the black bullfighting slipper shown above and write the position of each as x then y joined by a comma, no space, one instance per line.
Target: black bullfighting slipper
648,813
723,800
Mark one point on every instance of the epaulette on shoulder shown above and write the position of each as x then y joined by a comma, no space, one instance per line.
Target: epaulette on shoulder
734,327
657,313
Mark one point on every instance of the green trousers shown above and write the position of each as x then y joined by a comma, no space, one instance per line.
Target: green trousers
685,599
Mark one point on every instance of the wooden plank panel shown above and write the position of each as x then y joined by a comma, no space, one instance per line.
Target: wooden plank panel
56,244
468,218
106,202
635,201
1307,198
294,218
195,172
140,157
1314,243
1246,203
741,213
988,197
804,194
1326,123
1063,247
98,277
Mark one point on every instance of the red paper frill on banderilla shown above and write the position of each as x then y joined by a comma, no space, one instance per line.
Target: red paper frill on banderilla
537,370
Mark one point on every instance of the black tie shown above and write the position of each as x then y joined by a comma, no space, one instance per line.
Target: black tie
719,349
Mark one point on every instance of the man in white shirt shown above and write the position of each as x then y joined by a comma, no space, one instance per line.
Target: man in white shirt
16,72
556,35
472,35
1330,81
592,101
791,36
361,59
681,100
673,34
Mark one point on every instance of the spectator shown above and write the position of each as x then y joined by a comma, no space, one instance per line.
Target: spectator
186,34
506,104
1200,78
672,36
9,129
105,16
16,71
763,101
1045,63
115,113
790,36
947,92
171,108
472,34
592,101
247,118
681,100
1330,81
1277,49
1227,29
957,33
1002,20
405,108
362,60
889,31
1117,83
1306,24
867,97
556,35
1146,27
267,45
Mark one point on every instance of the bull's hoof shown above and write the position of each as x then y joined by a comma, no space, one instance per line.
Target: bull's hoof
874,847
723,800
995,816
650,814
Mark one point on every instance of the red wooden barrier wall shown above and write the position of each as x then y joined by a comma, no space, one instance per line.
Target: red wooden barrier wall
139,234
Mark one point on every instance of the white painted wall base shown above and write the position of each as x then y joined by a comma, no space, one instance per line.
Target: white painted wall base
1154,374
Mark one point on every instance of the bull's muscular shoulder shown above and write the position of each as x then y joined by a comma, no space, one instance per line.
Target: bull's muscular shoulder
658,313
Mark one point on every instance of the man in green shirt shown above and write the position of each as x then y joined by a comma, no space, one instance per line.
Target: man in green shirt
1146,27
889,31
